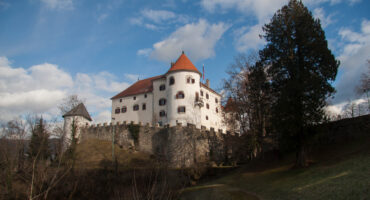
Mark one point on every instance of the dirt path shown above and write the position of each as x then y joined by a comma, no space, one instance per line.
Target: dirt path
216,192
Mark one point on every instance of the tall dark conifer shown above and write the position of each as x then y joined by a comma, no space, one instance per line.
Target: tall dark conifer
301,68
39,144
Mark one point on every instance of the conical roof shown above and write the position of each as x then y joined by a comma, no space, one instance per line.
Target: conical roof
183,63
79,110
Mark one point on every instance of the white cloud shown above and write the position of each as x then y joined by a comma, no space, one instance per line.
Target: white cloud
40,88
248,38
144,52
353,60
198,40
58,4
158,16
325,20
103,116
132,77
157,19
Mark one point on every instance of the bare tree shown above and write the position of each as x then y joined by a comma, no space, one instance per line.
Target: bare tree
69,102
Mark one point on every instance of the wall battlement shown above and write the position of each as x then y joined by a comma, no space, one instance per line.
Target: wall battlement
181,146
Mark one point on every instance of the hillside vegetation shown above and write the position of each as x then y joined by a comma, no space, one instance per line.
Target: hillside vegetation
340,171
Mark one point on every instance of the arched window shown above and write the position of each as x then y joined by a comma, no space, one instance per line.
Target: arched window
172,80
162,113
124,109
196,96
136,107
117,110
144,106
181,109
207,105
180,95
162,87
188,79
162,102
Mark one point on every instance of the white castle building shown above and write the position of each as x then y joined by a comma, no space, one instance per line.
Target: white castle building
178,96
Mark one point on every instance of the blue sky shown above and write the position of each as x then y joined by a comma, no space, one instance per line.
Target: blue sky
50,49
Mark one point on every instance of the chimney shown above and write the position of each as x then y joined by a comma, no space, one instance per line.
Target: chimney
207,83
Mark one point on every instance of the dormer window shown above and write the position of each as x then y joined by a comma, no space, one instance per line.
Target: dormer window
162,87
172,80
162,102
180,95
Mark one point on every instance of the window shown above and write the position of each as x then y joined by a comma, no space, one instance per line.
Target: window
145,95
201,93
124,109
196,96
136,107
188,80
162,102
180,95
207,96
181,109
216,110
144,106
207,106
216,100
162,113
162,87
120,100
192,81
172,80
134,98
117,110
207,117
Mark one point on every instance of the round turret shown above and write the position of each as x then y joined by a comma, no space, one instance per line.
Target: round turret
183,83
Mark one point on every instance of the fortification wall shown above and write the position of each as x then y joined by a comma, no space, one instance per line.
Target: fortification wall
181,146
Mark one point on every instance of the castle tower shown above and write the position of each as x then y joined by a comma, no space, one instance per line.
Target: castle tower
77,116
183,83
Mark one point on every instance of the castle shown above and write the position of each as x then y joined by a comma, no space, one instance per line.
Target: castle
178,96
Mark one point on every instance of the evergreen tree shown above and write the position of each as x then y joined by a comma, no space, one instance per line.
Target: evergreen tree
301,69
39,144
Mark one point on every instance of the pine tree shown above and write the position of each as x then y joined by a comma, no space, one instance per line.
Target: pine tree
301,68
39,144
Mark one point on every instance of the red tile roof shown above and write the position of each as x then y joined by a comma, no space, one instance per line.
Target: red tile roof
141,86
183,63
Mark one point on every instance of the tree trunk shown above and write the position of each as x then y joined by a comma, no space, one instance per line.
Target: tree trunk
301,156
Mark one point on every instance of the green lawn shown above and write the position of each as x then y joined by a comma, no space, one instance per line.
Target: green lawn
338,172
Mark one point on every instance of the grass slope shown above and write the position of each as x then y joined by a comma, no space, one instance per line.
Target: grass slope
338,172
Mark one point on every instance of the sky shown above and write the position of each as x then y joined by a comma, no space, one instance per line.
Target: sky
50,49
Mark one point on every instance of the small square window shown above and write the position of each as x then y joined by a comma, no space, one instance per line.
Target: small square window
124,109
120,100
145,95
134,98
117,110
181,109
136,107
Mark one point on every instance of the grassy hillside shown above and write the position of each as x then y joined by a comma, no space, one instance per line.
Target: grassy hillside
94,154
339,171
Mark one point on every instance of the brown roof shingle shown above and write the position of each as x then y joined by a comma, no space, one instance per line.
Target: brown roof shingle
141,86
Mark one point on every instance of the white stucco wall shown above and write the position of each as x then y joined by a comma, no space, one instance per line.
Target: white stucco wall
79,122
215,120
192,114
157,95
144,116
